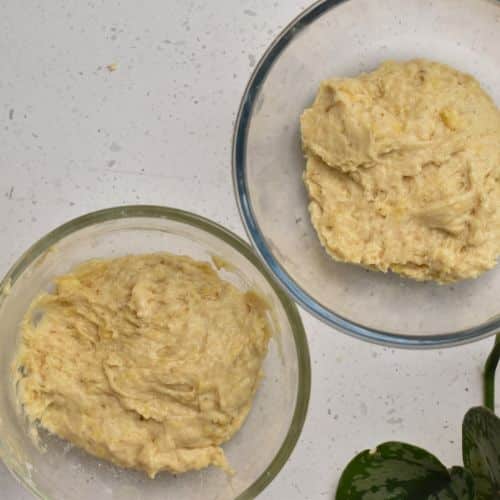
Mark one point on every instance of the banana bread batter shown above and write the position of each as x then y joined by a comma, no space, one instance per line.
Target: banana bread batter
403,171
149,361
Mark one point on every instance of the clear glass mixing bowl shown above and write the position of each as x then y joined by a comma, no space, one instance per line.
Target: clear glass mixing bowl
258,450
344,38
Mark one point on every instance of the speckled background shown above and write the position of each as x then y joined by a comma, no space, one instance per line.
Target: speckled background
77,137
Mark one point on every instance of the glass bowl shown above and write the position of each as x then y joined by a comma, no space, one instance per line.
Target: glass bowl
264,443
335,38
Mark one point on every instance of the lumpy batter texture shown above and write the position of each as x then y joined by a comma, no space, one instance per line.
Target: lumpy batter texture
148,361
403,171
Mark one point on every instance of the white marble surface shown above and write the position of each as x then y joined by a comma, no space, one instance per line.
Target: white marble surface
77,137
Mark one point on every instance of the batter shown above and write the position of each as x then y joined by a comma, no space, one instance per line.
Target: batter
149,361
403,171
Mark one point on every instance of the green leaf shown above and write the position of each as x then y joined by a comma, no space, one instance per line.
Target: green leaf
489,375
481,451
461,486
400,471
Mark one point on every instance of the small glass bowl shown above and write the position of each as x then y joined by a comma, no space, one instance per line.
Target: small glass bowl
344,38
264,443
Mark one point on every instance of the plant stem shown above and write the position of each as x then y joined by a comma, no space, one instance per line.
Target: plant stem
489,375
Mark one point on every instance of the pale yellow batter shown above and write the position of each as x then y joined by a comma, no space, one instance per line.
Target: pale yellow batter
403,171
148,361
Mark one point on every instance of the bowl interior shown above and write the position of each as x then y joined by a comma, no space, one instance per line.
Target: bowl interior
343,39
258,450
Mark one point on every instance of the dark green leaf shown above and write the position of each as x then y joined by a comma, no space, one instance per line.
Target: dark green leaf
460,486
481,451
400,471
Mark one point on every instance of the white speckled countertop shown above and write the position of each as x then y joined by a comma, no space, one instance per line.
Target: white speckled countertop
77,137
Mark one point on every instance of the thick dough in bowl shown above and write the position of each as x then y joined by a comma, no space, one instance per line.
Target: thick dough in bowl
403,171
149,361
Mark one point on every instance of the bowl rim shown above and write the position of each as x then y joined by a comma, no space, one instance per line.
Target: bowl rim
238,244
256,236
